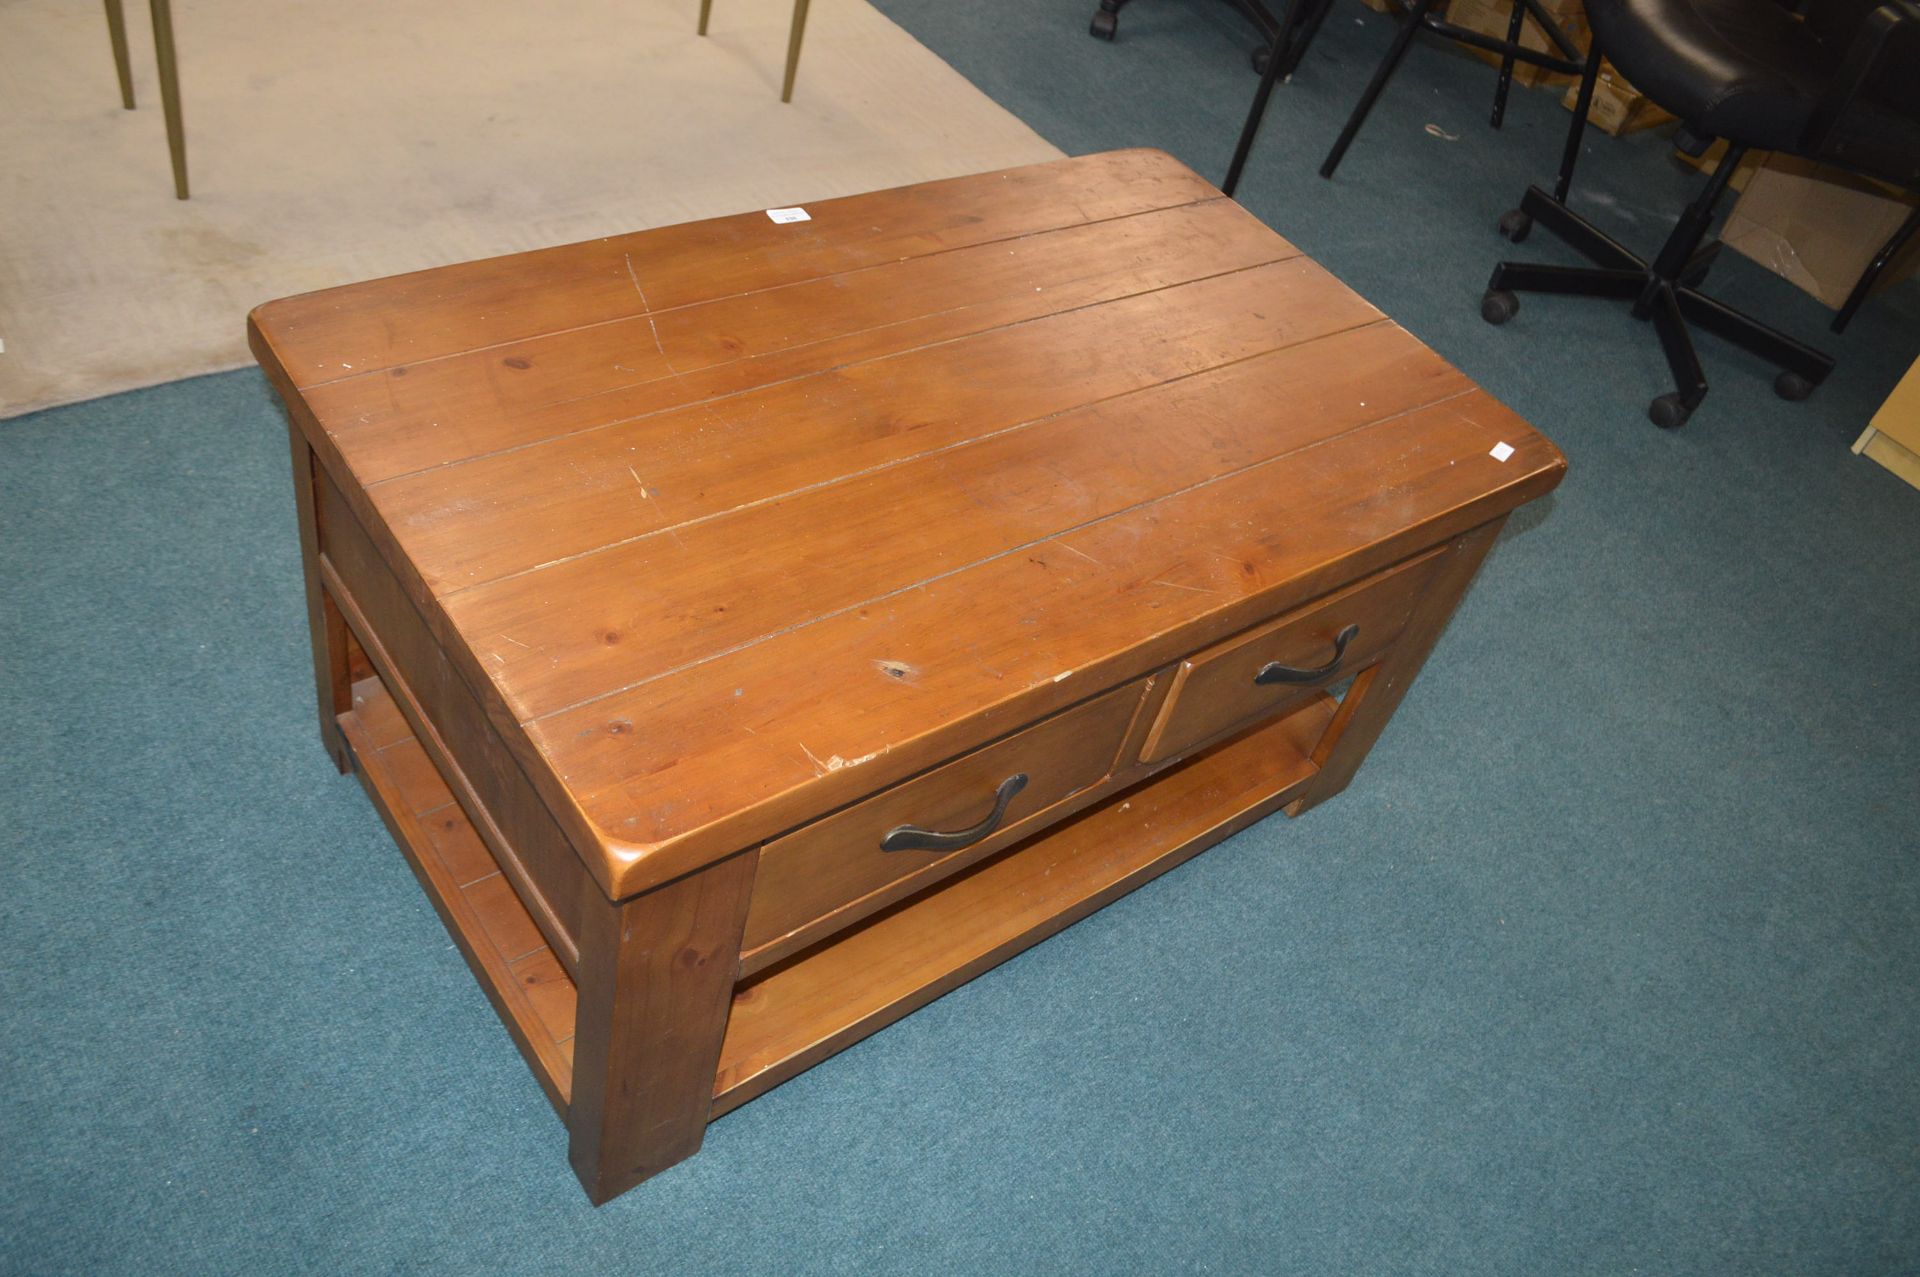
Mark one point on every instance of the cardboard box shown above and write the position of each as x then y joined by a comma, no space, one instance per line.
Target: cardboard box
1819,227
1709,160
1617,106
1491,18
1893,439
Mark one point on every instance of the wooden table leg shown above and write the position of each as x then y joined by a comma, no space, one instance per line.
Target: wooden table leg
332,678
1377,692
656,983
122,64
163,52
793,48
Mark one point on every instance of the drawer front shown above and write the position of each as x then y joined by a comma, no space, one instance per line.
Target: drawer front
838,866
1253,675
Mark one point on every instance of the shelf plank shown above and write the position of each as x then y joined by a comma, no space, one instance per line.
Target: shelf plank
521,976
826,999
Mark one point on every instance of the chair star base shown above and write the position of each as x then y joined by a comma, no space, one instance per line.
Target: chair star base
1664,291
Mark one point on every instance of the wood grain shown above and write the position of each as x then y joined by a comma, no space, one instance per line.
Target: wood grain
320,337
473,522
445,716
836,866
484,927
1081,389
797,1015
1214,691
721,760
415,416
655,985
653,605
327,633
653,580
1364,713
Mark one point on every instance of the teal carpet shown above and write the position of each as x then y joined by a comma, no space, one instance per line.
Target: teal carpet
1606,963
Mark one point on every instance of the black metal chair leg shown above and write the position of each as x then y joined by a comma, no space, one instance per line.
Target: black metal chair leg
1755,337
1570,153
1505,78
1695,272
1574,281
1551,29
1675,342
1276,64
1888,251
1567,227
1409,27
1106,19
1302,39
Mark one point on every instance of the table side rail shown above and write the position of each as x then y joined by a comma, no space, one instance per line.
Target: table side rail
517,827
532,998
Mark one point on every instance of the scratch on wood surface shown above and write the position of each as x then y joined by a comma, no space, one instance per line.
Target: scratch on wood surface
651,326
636,479
836,763
516,642
1174,585
1082,553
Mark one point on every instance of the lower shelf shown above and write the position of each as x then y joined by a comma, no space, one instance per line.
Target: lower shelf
522,976
791,1016
825,999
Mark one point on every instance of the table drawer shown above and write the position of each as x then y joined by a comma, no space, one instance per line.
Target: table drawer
1262,671
879,850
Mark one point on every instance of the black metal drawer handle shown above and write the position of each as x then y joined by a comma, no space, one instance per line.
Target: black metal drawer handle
914,838
1275,672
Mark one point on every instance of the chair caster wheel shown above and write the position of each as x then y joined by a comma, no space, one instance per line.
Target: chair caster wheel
1262,56
1498,306
1791,385
1669,412
1104,24
1515,225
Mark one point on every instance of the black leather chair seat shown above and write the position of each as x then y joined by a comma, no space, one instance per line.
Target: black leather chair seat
1727,68
1842,87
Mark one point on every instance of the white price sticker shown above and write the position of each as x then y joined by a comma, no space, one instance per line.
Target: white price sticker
1501,451
785,215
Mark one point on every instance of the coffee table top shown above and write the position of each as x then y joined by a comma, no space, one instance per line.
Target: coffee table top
733,522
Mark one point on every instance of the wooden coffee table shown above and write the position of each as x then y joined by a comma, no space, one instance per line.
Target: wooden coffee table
751,630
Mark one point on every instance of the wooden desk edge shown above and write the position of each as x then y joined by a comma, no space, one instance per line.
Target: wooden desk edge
625,868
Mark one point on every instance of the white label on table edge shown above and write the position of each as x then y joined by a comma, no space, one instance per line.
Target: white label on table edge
1501,451
785,215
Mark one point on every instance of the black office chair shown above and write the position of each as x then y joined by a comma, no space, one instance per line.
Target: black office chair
1871,275
1106,24
1304,18
1842,87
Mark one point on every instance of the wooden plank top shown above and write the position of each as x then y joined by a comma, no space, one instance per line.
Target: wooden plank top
730,523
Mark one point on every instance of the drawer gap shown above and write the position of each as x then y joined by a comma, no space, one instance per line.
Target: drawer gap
793,1015
521,974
